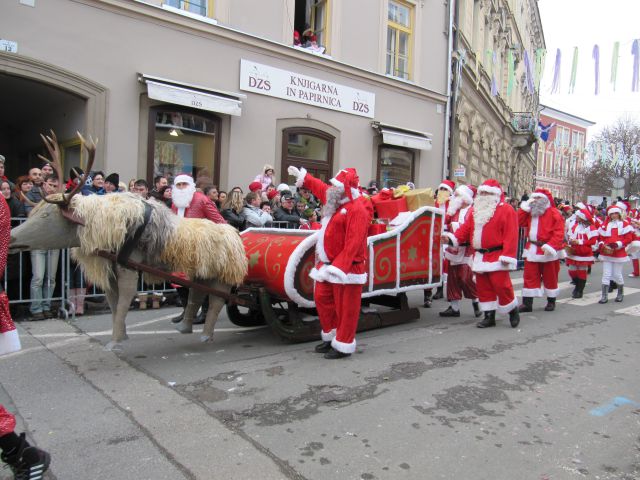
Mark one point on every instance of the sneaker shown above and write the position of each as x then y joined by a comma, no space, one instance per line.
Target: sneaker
36,317
32,465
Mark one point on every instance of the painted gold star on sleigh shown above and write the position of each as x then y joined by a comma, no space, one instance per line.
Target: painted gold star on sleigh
253,259
413,253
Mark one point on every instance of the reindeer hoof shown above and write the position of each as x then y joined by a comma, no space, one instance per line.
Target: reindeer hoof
206,338
115,347
184,328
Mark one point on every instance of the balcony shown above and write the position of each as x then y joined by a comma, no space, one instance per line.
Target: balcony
525,126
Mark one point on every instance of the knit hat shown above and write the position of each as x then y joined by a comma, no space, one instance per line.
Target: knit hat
113,178
184,178
282,187
448,185
255,186
75,172
491,186
271,194
347,180
268,167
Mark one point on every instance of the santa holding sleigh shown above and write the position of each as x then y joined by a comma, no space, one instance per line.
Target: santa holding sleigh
581,237
544,231
460,276
492,231
341,250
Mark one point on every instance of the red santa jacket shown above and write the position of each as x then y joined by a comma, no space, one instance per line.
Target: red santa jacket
547,229
495,242
586,237
458,255
342,241
201,206
616,234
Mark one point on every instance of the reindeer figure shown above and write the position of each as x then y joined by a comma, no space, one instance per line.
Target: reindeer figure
131,228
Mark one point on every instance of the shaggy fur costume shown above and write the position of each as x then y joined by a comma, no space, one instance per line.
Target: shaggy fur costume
199,248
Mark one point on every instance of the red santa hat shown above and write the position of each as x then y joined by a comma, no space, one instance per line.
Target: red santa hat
184,178
255,186
585,215
614,209
272,193
581,206
448,185
567,208
466,192
624,205
543,193
491,186
347,180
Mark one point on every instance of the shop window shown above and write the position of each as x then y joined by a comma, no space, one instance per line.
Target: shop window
199,7
182,141
308,148
399,38
395,166
310,25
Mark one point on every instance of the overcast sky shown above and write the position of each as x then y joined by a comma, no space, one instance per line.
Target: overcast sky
583,23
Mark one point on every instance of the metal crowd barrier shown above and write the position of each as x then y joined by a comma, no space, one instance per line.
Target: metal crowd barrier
522,240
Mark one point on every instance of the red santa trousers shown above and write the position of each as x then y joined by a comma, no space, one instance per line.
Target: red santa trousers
7,422
338,308
495,291
541,273
460,281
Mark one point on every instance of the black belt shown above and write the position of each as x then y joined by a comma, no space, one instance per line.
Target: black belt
465,244
131,241
488,250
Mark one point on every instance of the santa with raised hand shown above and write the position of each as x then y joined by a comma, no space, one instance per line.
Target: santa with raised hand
341,251
460,276
544,230
581,237
492,231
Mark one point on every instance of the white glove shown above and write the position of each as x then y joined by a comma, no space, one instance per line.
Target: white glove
294,171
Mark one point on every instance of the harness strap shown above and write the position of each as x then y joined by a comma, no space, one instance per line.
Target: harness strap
131,241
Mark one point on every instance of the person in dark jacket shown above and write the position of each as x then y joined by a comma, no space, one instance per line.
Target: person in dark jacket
288,213
232,210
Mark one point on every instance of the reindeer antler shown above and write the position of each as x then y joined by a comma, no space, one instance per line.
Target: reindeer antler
91,150
54,152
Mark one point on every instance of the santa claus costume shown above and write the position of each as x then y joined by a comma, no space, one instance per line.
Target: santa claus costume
613,238
544,231
460,279
633,249
492,231
581,238
443,194
341,250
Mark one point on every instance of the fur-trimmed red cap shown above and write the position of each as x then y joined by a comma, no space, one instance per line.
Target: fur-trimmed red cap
347,179
448,185
614,209
467,192
585,215
543,192
491,185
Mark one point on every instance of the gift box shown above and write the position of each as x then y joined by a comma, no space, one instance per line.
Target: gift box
376,228
419,197
391,208
383,195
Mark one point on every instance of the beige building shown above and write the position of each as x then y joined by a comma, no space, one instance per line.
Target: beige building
495,99
218,88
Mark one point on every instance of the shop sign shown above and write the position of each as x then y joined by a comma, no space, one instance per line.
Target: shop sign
8,46
459,171
293,86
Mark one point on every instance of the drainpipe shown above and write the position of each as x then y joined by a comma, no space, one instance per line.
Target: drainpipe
446,164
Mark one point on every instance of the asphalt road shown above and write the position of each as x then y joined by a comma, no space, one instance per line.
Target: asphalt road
556,398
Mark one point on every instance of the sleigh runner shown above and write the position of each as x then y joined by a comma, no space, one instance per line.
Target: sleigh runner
279,291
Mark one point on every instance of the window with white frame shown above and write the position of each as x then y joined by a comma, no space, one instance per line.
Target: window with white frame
199,7
399,39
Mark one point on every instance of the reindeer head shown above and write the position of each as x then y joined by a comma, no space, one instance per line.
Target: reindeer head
52,224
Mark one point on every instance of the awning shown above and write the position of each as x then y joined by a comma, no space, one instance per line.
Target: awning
192,95
402,137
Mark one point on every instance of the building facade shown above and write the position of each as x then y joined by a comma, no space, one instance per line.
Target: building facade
561,153
218,88
495,92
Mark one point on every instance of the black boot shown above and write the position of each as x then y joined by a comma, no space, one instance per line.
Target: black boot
439,293
427,298
26,461
179,318
514,317
612,286
450,312
573,282
334,354
489,320
620,295
323,347
527,305
476,309
551,304
578,292
605,294
576,289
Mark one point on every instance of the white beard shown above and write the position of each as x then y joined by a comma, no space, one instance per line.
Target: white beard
539,206
334,200
455,204
182,198
484,206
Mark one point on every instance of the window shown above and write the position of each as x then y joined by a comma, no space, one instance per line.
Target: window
399,37
308,148
182,141
311,24
395,166
199,7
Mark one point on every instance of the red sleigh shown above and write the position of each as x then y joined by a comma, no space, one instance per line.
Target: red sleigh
279,291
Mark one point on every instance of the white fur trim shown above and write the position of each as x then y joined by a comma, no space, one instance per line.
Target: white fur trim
549,250
511,260
533,230
184,179
300,177
9,342
446,187
526,206
344,347
581,205
581,259
508,307
581,215
343,211
615,209
290,271
452,237
327,337
619,243
488,306
551,292
465,193
476,241
488,189
481,266
633,247
531,292
322,255
335,275
606,258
